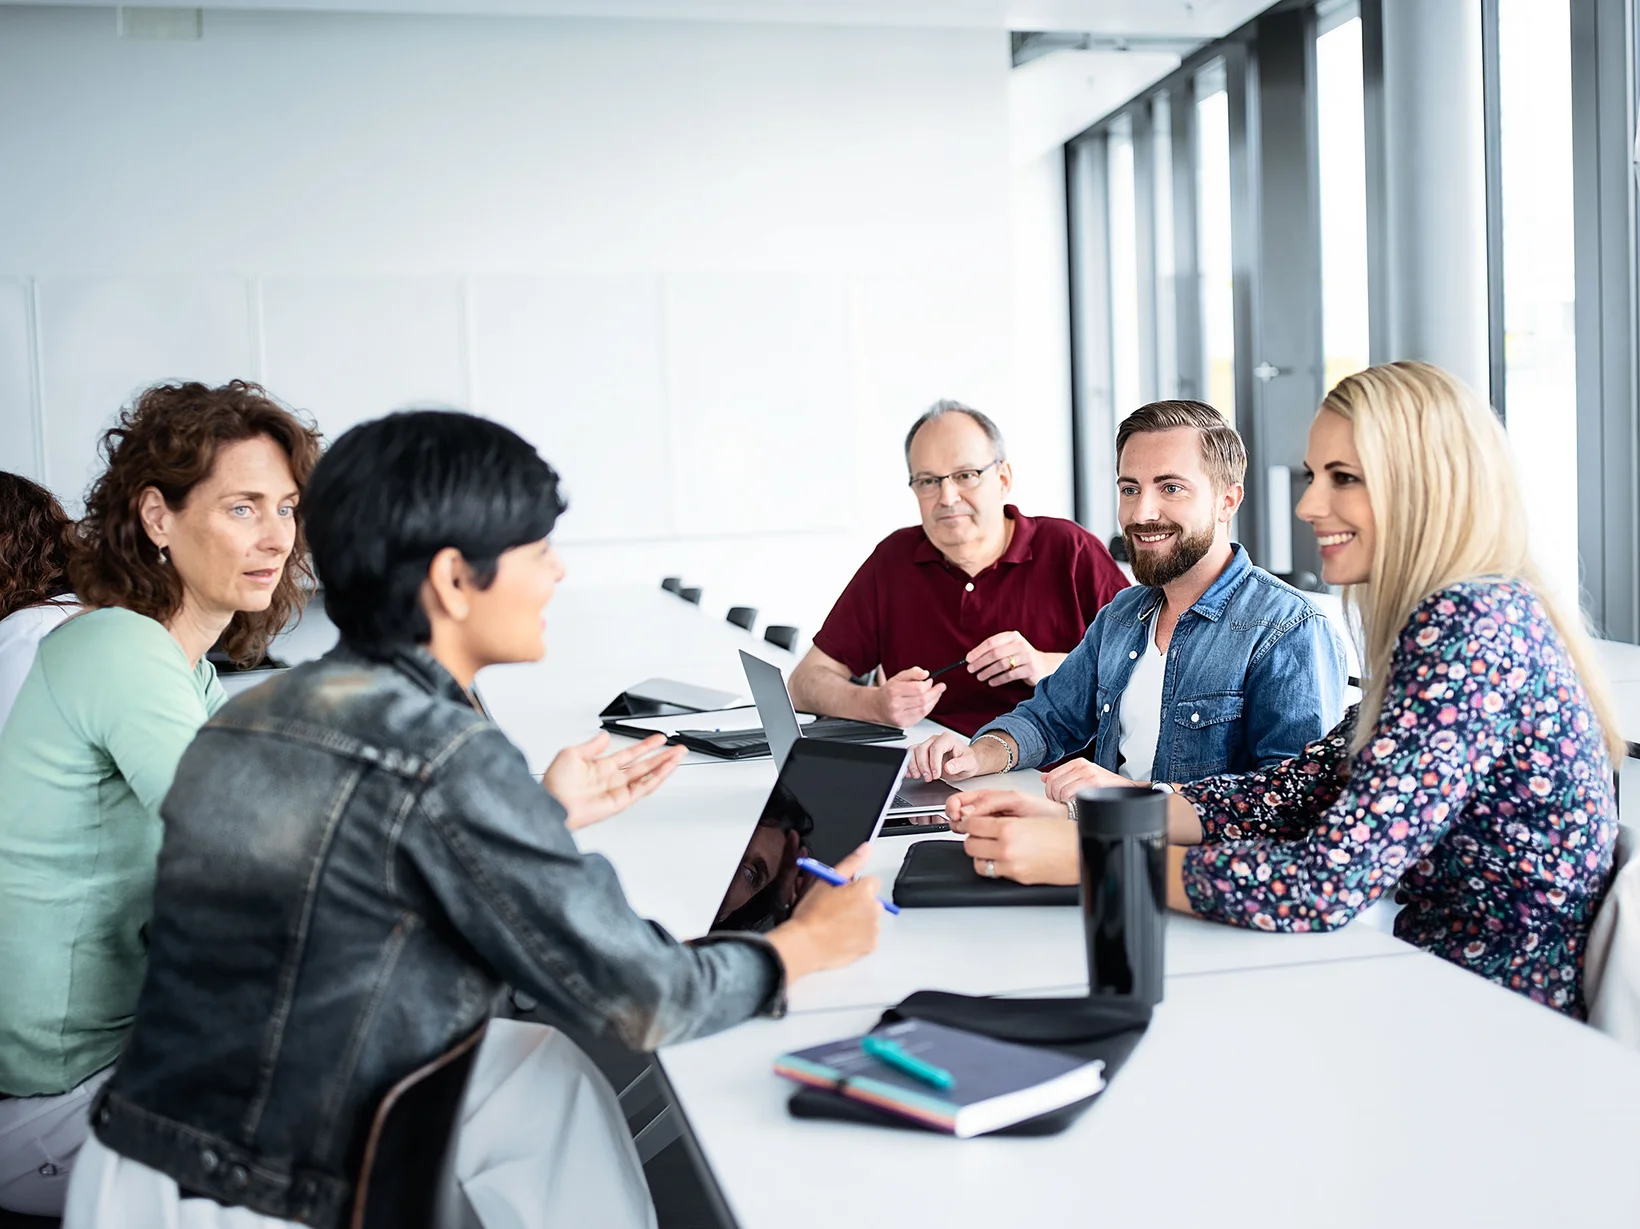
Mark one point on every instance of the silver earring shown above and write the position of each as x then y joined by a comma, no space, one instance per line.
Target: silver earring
163,557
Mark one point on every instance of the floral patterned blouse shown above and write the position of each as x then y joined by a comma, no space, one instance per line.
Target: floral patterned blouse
1485,799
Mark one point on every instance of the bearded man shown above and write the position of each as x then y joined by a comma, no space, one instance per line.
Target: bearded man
1208,665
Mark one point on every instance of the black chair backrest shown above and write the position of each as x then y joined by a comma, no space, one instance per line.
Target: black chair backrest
690,595
743,616
672,584
785,637
413,1128
1118,548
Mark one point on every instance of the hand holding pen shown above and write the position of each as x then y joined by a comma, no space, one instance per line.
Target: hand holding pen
821,871
833,926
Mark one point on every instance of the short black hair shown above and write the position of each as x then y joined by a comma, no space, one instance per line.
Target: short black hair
393,492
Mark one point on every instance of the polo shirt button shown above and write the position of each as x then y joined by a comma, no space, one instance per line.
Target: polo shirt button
969,586
1133,656
208,1161
1195,716
239,1177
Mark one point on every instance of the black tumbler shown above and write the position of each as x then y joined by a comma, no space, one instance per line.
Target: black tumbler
1124,889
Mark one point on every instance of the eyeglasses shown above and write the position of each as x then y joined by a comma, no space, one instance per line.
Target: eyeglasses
962,479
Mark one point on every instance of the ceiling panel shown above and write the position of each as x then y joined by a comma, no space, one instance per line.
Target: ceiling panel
1179,18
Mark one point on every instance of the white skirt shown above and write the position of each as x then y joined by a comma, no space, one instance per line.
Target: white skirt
541,1144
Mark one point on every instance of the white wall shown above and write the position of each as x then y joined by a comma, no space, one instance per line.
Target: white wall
712,271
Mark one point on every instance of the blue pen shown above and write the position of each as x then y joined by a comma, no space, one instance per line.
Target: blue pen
893,1054
820,870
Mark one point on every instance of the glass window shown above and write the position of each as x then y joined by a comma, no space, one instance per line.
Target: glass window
1540,350
1167,350
1124,273
1341,135
1213,241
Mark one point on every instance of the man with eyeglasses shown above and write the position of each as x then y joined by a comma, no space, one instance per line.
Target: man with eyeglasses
962,615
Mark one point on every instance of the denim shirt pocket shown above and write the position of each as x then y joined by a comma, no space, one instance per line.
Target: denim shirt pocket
1205,732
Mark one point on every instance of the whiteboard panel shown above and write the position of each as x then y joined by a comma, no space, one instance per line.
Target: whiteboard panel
18,423
348,349
757,375
573,364
104,339
913,342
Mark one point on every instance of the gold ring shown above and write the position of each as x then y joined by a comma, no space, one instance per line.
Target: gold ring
1012,664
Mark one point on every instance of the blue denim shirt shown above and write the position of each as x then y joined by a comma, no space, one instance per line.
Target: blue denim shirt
1255,671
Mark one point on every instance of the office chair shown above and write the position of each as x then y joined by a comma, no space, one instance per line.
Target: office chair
690,595
743,616
661,1130
785,637
414,1127
672,584
1118,548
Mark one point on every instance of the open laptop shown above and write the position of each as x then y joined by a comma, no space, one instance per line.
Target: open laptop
830,799
755,742
780,724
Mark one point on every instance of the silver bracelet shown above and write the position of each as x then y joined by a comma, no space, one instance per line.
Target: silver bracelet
1003,743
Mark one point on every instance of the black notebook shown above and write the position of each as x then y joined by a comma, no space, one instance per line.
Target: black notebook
1103,1027
996,1083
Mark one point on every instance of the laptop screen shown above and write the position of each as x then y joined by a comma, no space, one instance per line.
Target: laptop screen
830,799
774,705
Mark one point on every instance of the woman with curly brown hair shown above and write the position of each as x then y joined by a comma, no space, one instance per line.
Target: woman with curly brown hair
35,596
190,537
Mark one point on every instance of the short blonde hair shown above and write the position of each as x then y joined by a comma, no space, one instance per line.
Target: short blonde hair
1441,481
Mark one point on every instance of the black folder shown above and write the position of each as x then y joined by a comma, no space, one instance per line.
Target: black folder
940,875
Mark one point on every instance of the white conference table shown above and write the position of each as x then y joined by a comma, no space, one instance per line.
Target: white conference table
1339,1079
1363,1093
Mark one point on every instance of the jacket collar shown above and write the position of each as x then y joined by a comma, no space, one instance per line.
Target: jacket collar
1211,604
419,666
1019,549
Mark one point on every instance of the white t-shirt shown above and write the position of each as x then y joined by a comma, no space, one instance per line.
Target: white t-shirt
20,634
1141,711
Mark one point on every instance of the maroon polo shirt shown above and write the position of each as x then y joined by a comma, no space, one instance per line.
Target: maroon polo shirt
907,606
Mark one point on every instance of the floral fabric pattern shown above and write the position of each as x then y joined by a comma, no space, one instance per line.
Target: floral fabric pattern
1484,800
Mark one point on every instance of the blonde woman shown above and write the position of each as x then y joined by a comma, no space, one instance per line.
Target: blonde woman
1475,777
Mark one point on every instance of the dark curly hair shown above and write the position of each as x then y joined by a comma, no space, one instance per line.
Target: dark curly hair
35,536
168,439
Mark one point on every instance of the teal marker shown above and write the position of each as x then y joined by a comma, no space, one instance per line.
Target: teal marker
894,1055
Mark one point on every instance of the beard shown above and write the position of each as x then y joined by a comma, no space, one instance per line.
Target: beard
1155,568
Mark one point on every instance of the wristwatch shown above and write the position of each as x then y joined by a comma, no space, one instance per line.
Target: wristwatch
1162,787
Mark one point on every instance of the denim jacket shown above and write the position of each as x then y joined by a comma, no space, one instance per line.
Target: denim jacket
355,863
1254,672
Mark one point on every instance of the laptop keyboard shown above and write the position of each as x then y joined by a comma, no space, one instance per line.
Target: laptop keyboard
835,729
841,729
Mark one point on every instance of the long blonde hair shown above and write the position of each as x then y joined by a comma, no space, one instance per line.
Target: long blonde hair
1441,481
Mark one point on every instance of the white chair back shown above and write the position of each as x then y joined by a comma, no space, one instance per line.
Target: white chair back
1611,966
